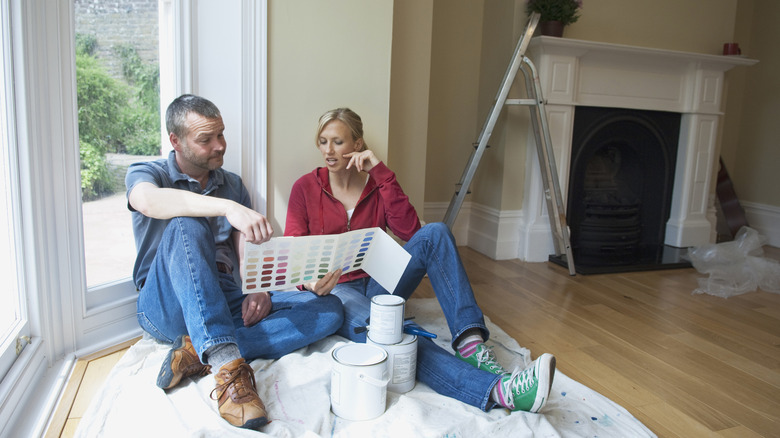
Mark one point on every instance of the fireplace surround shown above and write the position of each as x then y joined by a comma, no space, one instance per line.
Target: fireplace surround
576,74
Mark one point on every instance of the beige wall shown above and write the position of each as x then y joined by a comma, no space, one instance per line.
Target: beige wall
409,88
751,141
322,55
452,117
700,26
424,75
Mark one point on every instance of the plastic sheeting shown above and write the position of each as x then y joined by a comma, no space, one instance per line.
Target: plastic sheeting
736,267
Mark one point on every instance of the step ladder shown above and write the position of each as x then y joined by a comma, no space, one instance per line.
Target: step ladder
535,102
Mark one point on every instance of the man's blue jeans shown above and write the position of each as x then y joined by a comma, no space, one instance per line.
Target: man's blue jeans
434,253
185,294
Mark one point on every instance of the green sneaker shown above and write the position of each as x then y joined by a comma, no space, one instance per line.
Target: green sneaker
529,389
482,357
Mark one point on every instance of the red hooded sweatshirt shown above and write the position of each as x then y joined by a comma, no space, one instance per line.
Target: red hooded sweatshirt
313,210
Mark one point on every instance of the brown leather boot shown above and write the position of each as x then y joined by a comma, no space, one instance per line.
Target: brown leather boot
182,361
237,397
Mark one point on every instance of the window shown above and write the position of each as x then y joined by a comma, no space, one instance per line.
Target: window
14,331
47,295
117,77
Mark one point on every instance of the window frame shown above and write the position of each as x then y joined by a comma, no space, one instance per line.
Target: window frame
66,320
19,334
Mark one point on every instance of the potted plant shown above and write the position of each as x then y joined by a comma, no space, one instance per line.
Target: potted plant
555,14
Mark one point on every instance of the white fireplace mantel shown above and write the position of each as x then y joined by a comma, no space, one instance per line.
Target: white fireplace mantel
585,73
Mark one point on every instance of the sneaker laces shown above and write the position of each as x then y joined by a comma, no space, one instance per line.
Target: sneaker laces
519,382
485,356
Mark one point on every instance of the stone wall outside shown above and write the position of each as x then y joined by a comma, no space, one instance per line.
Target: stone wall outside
115,22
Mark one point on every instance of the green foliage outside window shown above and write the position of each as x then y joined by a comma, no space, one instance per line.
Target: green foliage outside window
114,116
96,178
141,119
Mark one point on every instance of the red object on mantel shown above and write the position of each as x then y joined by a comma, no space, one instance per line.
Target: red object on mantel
730,49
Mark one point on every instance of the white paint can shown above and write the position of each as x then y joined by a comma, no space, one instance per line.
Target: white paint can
358,381
386,324
401,361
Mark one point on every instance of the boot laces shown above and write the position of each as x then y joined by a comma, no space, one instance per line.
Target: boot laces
240,389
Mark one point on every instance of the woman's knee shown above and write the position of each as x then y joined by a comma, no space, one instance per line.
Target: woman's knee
437,231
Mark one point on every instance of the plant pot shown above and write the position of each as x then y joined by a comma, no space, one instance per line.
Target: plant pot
551,28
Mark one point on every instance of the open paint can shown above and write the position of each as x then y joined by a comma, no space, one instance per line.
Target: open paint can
401,361
387,319
358,381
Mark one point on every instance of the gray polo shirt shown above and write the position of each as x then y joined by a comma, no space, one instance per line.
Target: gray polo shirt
165,173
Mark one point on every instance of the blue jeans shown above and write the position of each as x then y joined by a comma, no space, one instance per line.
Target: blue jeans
185,294
433,252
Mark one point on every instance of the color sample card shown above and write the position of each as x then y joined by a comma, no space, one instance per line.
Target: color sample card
284,262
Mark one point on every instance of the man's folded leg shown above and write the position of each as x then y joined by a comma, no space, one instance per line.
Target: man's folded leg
297,319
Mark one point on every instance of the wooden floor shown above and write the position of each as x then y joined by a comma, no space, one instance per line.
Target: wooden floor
685,365
88,375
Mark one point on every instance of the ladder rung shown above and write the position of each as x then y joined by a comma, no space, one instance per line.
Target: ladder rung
520,102
460,186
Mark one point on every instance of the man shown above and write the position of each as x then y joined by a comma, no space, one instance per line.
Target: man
191,219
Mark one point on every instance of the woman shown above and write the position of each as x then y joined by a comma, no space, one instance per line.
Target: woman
355,190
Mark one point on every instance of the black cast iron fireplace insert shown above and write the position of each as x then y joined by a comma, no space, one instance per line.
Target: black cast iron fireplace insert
620,190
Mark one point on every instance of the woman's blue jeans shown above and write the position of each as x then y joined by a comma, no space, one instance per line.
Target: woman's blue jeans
434,253
185,294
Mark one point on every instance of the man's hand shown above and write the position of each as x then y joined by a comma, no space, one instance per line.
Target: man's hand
324,285
253,225
255,307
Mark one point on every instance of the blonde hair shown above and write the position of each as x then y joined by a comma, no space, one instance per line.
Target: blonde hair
346,116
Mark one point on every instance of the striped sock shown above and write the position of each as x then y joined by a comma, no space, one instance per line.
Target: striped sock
498,396
469,346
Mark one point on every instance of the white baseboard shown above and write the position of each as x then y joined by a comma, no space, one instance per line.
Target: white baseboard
492,232
503,235
765,219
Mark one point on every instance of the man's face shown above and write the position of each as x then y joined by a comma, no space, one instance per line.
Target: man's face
204,145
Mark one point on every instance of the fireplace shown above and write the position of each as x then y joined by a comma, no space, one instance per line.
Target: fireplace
620,188
636,90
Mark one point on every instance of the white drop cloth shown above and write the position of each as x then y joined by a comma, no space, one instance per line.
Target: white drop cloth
296,389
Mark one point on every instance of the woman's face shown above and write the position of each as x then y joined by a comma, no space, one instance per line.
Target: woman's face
334,142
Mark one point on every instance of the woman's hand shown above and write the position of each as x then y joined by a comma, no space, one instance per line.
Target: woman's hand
324,285
255,307
364,161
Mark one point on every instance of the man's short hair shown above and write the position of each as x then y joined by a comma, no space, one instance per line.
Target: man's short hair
176,115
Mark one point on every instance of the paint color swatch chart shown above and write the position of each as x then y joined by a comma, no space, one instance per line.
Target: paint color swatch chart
284,262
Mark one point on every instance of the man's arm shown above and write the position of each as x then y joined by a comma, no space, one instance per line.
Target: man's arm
166,203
